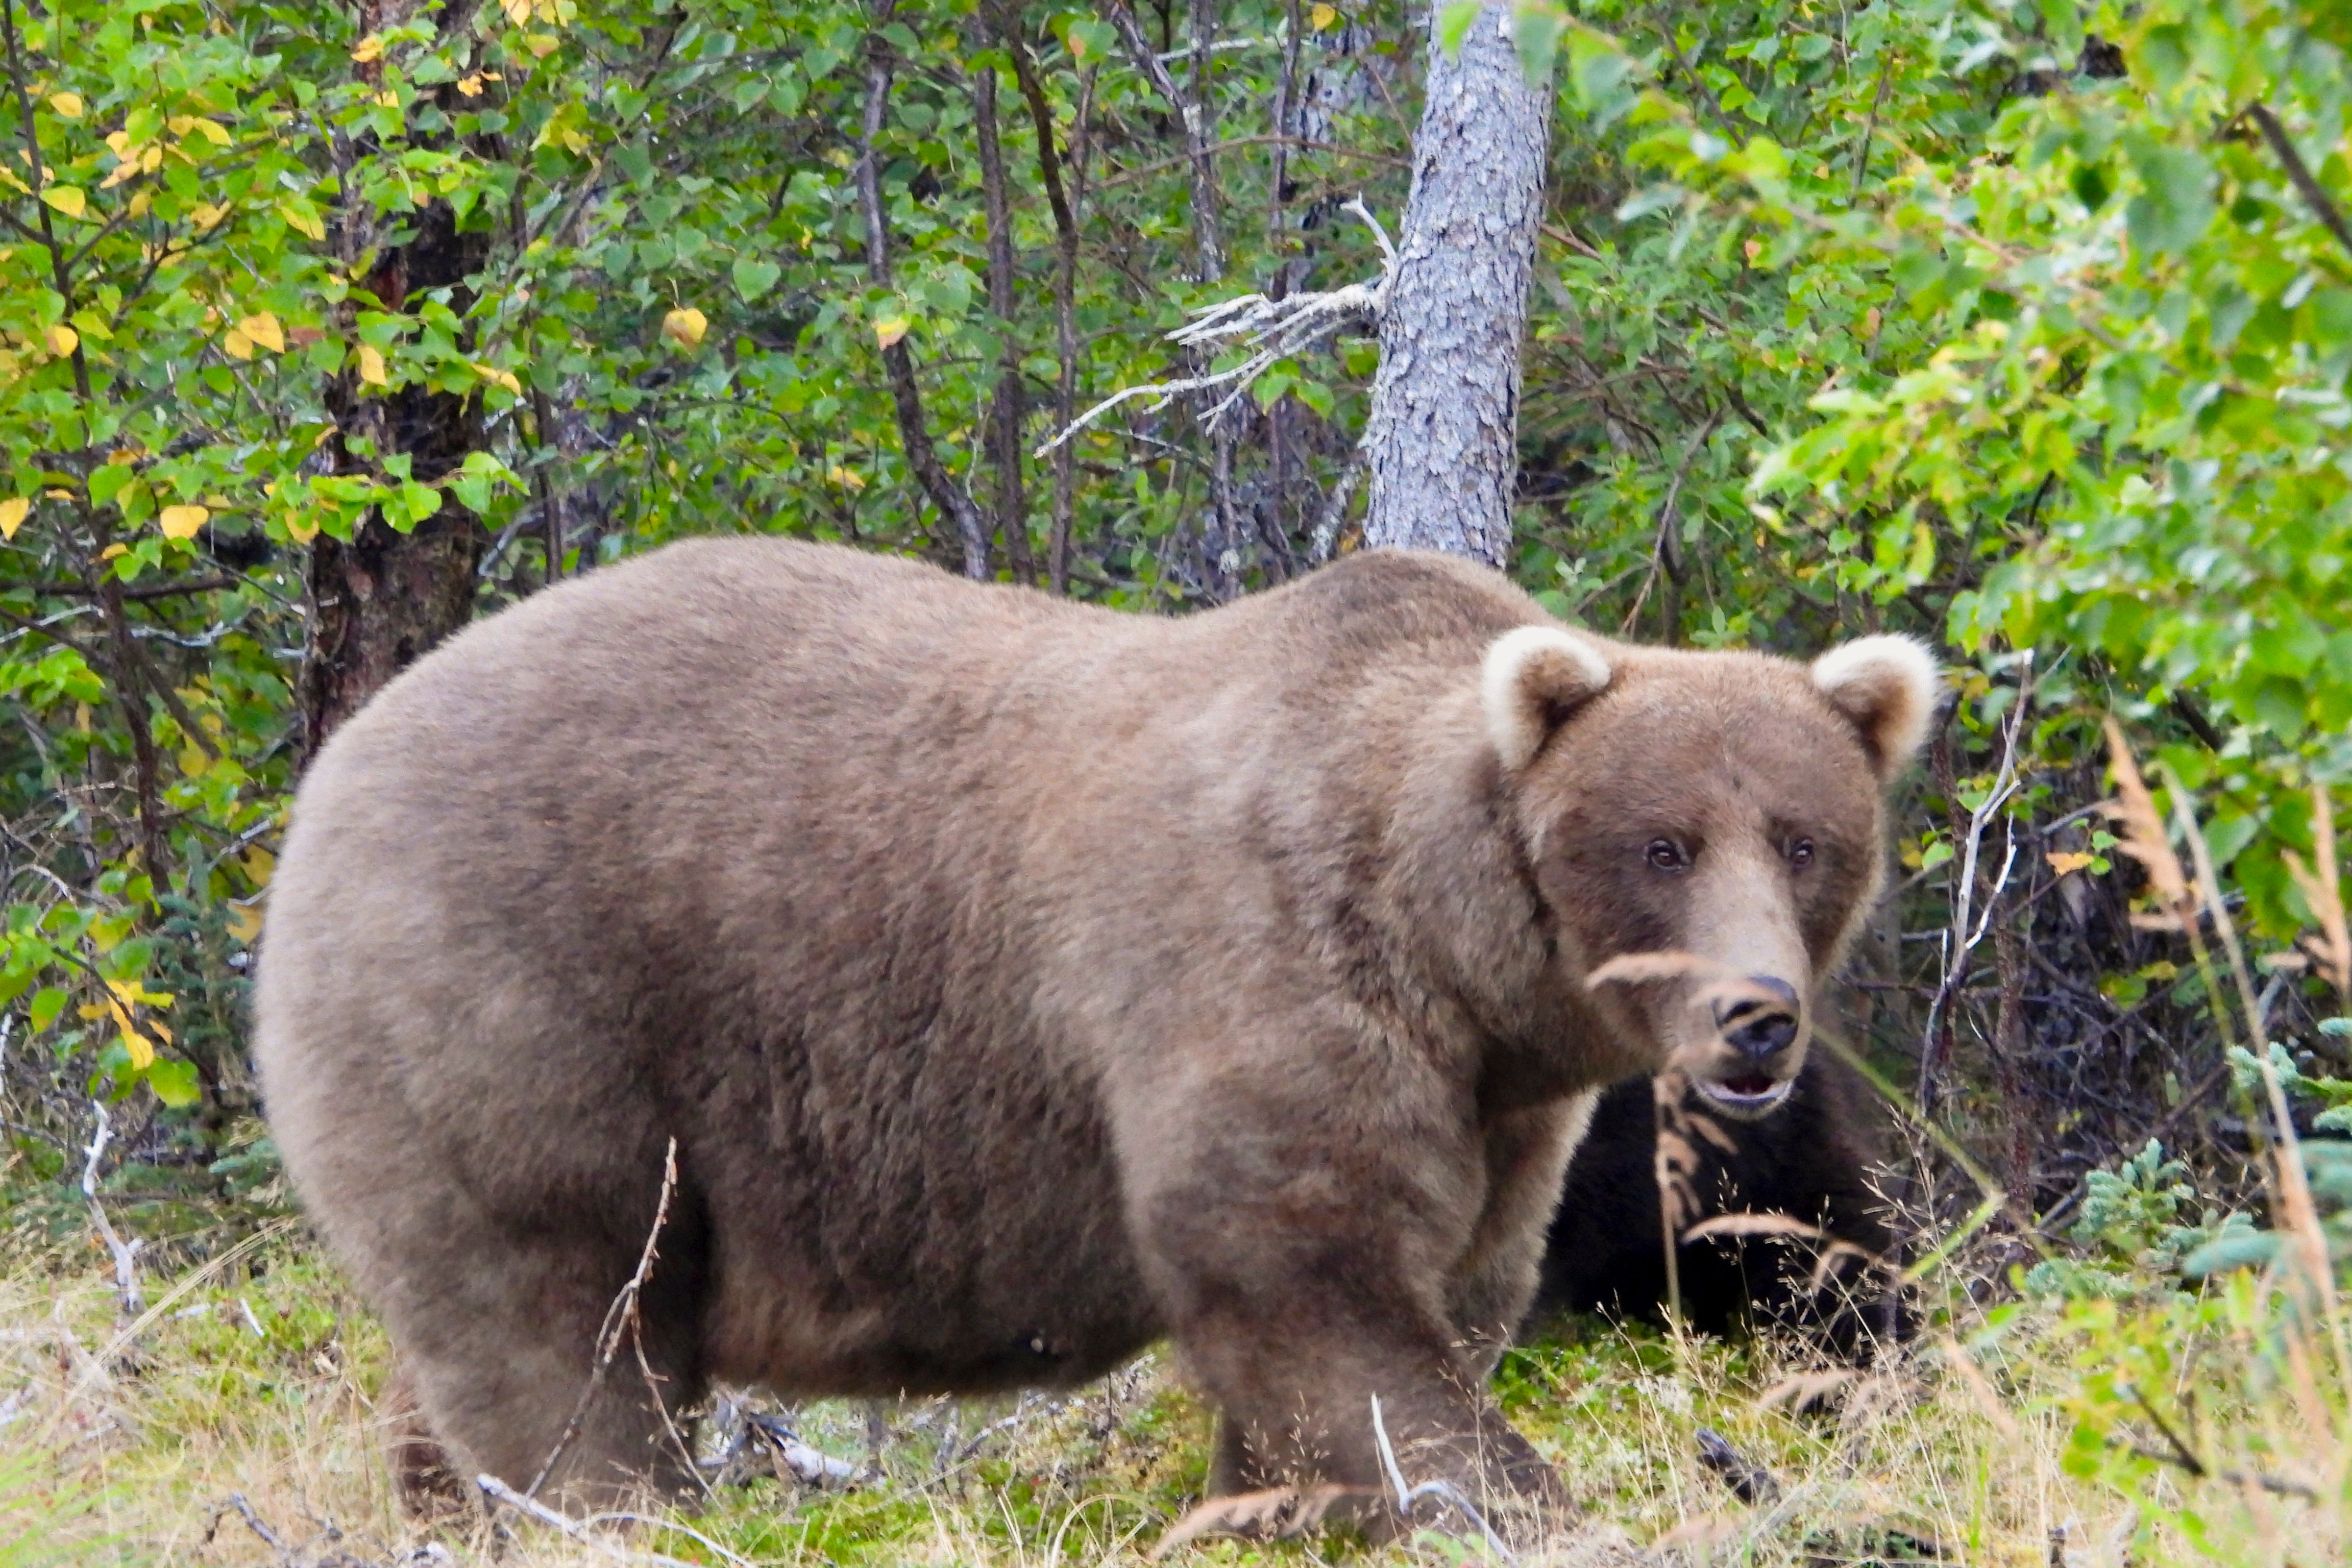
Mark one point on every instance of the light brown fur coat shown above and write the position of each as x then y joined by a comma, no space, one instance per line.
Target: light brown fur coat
1022,982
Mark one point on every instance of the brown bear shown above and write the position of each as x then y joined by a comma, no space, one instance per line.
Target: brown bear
1815,1161
1020,983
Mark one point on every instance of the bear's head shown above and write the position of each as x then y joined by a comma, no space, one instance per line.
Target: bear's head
1705,831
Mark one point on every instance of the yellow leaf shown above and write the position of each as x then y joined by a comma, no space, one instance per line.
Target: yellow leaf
471,86
518,11
263,329
66,104
372,369
142,1055
12,514
301,221
541,45
111,551
66,199
208,216
371,47
387,99
123,171
301,531
685,326
505,378
1322,16
212,131
182,521
244,921
151,157
891,329
237,344
2065,860
62,339
848,478
258,864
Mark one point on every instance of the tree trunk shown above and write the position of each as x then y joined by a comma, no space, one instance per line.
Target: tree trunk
381,601
1442,438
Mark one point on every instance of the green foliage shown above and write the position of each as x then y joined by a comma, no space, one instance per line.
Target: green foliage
2131,1232
2071,348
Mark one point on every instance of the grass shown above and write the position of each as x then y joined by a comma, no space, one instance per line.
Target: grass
255,1380
2118,1417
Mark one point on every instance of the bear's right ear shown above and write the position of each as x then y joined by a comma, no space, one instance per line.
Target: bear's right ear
1533,679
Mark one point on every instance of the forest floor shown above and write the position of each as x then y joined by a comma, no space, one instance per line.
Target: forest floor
234,1422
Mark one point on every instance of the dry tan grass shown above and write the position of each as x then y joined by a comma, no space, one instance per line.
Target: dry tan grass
135,1461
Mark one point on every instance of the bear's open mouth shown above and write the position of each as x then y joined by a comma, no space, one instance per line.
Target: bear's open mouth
1749,1091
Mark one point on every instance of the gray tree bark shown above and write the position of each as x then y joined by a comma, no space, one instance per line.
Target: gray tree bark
1441,439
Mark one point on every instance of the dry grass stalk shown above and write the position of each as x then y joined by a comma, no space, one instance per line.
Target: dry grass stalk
2305,1251
2144,839
2331,950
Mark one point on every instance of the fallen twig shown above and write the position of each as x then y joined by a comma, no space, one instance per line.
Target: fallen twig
583,1530
809,1466
126,1269
1748,1481
1444,1490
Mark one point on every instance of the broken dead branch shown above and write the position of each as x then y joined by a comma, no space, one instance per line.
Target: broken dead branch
125,1255
583,1530
1273,330
1445,1491
620,1318
1749,1482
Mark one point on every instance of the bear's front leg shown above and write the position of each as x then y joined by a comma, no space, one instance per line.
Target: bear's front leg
1304,1260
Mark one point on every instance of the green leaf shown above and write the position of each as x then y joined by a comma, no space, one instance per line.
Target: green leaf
1537,26
754,277
174,1082
1453,24
2176,204
48,1003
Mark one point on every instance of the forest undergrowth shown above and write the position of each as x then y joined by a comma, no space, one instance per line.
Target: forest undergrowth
2167,1383
239,1424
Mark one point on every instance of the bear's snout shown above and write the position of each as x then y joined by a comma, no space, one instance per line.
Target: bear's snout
1759,1027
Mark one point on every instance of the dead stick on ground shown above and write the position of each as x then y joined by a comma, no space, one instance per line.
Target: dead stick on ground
619,1318
126,1270
583,1530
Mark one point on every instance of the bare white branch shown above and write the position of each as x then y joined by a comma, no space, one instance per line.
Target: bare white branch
1271,330
1444,1490
584,1532
126,1267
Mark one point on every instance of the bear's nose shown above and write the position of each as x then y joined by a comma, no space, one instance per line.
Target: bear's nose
1757,1028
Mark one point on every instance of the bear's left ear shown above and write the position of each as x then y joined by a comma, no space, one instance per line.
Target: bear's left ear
1887,687
1533,679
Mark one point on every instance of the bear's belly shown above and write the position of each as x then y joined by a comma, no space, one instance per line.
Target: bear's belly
1049,1319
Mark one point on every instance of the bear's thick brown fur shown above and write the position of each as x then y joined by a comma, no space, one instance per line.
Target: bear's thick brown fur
1023,983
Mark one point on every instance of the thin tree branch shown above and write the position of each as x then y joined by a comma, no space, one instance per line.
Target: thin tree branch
1208,241
2313,194
1005,413
914,434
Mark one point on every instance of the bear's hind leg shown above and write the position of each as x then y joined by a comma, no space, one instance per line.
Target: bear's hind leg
505,1362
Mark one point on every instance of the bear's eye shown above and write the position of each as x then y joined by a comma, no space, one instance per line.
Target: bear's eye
1800,852
1666,854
